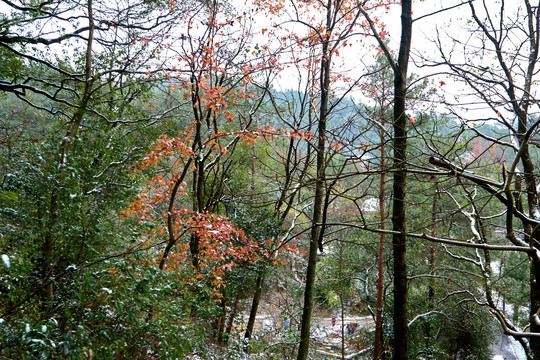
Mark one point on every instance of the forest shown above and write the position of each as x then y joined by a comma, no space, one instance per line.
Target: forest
269,179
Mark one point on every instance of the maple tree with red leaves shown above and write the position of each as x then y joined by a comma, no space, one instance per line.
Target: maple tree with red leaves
217,79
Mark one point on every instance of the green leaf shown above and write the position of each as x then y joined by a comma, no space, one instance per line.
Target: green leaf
8,195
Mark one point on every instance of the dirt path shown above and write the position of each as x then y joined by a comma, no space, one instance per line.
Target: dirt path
327,336
363,321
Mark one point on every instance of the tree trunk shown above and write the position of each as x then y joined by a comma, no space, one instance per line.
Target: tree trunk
533,234
317,229
305,326
534,341
255,304
220,324
232,315
399,243
341,302
380,261
47,276
431,257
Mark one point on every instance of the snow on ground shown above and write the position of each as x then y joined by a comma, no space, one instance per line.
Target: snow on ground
507,348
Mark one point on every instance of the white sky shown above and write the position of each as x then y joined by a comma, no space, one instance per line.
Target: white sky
449,23
424,31
422,35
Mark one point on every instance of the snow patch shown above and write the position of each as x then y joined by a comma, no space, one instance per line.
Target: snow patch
370,205
495,267
6,260
536,213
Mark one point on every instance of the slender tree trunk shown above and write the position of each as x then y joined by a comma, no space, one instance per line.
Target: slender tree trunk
342,315
533,234
315,241
253,162
305,325
431,263
399,244
47,276
431,290
317,229
255,305
380,261
232,315
341,303
220,324
534,307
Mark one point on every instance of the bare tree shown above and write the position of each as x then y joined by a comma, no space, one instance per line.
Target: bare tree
496,62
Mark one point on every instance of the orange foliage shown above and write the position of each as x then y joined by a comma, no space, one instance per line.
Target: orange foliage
215,86
222,245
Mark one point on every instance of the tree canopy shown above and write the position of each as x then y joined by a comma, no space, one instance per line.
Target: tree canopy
278,179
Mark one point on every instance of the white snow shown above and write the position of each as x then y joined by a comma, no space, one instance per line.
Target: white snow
536,213
370,205
495,267
6,260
